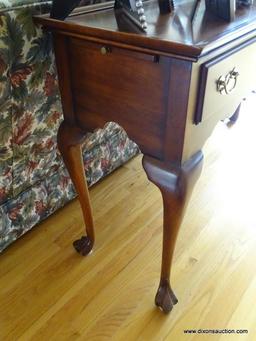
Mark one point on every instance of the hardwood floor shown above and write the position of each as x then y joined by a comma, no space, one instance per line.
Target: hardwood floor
48,292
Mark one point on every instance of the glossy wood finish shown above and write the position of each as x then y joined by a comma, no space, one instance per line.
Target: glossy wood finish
70,140
149,84
166,34
176,185
114,86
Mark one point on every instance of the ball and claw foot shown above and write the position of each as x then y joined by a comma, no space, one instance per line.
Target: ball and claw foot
83,246
165,298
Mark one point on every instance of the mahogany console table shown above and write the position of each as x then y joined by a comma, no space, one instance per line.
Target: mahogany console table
167,88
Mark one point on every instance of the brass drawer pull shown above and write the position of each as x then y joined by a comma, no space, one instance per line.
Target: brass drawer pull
226,84
105,50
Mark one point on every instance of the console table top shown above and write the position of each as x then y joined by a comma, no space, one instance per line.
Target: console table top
170,33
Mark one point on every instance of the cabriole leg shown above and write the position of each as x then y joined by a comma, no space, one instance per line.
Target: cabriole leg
176,185
69,143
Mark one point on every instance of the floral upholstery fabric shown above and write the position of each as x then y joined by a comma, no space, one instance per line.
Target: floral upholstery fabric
6,152
20,3
30,106
33,179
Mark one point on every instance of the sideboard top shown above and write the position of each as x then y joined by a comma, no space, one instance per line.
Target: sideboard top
170,33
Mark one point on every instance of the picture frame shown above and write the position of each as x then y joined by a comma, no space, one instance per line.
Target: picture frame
224,9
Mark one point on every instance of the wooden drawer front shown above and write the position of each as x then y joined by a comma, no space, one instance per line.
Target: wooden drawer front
113,84
216,99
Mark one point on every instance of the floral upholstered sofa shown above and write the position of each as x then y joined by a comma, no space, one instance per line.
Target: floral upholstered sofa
33,180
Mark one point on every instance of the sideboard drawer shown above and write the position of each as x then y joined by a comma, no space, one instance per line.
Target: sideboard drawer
225,80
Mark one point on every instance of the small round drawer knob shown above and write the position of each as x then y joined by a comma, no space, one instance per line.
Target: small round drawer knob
104,50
